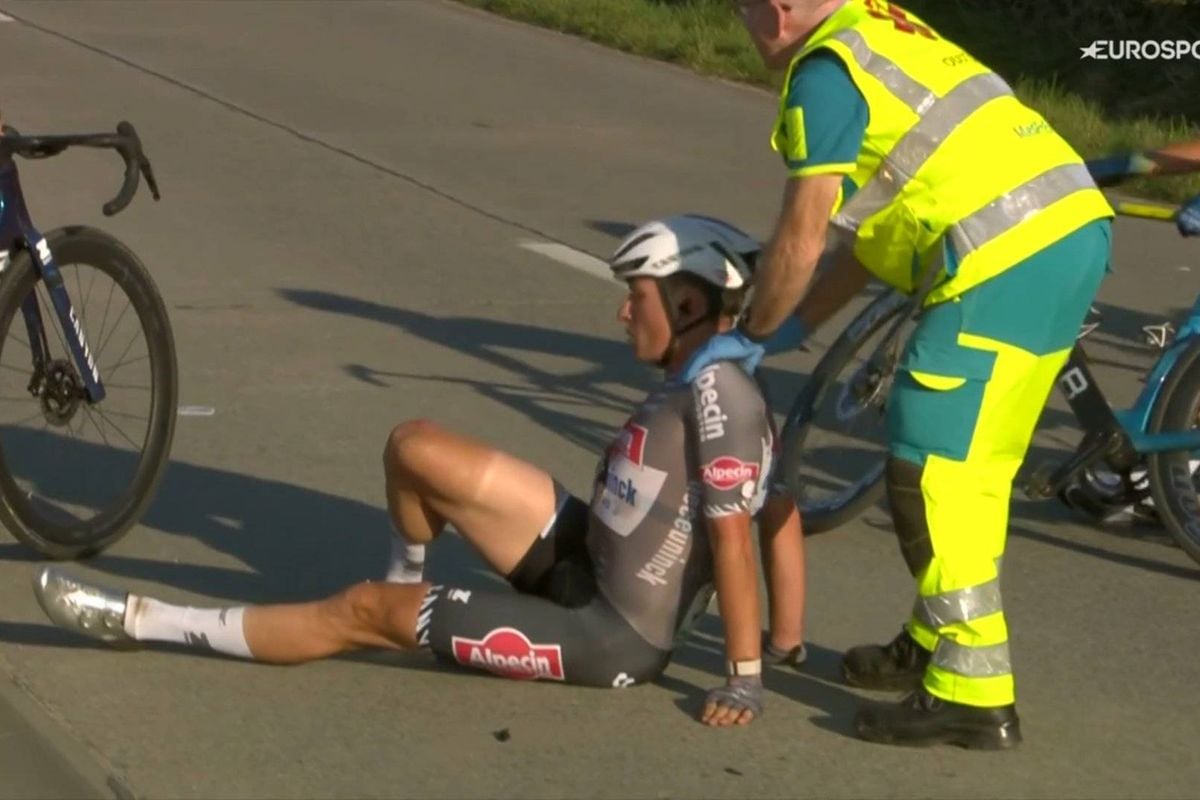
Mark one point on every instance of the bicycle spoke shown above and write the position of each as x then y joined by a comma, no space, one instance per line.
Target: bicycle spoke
118,429
96,425
112,385
91,284
30,418
126,350
15,369
114,367
107,304
122,414
116,325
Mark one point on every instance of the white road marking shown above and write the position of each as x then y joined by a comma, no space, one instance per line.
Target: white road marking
196,411
573,258
5,18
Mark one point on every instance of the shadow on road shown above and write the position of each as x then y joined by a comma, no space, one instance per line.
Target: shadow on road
546,397
293,543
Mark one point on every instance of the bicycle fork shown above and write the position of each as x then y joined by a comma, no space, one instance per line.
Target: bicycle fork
17,231
73,333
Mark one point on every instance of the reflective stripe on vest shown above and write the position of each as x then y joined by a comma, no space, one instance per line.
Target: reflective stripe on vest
960,605
913,94
1009,210
918,145
939,120
990,661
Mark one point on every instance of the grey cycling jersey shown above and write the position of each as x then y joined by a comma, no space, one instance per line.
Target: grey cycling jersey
687,453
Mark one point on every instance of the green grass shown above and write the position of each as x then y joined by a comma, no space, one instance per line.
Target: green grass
705,36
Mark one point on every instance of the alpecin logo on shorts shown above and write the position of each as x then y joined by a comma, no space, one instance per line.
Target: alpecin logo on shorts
508,652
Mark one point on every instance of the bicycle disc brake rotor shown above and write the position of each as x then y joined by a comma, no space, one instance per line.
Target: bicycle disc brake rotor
60,392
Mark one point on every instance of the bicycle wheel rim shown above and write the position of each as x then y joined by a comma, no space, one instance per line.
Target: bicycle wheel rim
63,489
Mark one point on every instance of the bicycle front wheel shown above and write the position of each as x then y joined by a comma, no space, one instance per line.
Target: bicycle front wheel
1174,478
835,437
75,475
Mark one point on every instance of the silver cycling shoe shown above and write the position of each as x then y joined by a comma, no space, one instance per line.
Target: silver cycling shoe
94,611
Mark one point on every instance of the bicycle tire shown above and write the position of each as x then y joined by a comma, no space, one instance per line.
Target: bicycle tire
1172,482
818,517
80,245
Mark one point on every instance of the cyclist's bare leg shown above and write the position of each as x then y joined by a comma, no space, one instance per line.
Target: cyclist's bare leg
382,615
363,615
782,544
497,502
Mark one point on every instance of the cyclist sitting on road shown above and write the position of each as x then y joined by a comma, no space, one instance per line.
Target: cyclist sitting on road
605,590
942,184
1174,159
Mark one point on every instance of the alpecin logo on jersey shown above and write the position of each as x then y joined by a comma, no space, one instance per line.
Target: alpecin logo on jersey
508,652
630,442
726,472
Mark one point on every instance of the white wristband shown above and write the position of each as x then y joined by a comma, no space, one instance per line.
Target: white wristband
743,668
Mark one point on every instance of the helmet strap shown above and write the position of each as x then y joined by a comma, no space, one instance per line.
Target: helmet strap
677,328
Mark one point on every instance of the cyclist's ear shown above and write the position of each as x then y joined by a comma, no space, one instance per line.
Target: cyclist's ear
688,304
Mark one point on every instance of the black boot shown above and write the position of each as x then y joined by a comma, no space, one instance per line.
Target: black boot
897,666
921,719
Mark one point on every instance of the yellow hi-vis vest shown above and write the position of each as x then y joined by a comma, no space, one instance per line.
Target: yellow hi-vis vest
950,155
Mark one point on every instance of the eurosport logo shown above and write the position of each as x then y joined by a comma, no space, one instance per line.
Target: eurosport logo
1134,50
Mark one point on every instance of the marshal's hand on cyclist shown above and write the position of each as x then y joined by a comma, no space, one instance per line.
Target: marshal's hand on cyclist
1188,219
732,345
735,345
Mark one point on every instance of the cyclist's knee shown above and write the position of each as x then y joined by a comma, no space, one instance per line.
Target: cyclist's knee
406,444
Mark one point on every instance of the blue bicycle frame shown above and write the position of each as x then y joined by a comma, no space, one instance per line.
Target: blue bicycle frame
1135,420
17,232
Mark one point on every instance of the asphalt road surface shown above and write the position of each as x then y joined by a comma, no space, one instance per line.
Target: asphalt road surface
373,212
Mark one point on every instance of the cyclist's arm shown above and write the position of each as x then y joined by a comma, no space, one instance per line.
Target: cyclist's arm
729,430
736,581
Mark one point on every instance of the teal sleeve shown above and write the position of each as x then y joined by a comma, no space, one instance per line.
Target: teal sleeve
825,118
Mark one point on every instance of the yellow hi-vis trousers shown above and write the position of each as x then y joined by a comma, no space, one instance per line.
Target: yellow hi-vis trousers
972,385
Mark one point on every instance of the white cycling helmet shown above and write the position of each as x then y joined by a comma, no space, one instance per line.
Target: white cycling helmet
711,249
719,254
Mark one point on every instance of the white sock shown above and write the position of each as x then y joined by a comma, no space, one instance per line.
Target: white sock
408,561
219,629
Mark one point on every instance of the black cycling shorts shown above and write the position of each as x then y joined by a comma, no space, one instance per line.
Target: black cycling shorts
556,626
